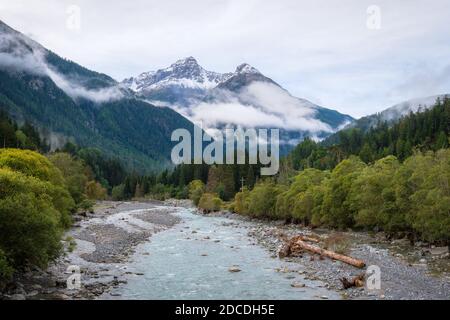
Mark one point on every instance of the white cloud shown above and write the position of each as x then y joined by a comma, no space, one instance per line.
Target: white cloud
260,104
20,54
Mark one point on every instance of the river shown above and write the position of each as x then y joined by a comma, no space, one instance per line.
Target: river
192,260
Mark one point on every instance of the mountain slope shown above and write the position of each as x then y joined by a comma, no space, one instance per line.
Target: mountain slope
68,101
397,111
244,98
389,116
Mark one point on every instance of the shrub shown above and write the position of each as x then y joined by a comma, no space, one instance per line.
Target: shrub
74,174
262,199
336,211
117,192
373,196
241,201
30,224
196,189
424,195
95,191
296,202
32,164
210,202
6,271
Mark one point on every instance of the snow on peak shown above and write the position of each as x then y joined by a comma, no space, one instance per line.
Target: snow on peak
185,72
246,68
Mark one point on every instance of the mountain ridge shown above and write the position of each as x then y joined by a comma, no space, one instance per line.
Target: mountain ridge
223,102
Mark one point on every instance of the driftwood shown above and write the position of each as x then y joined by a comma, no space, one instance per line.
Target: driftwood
290,248
357,281
298,244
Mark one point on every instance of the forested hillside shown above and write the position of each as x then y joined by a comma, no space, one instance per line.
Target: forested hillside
67,102
427,130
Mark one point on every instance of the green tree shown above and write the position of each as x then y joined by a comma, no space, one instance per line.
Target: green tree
336,211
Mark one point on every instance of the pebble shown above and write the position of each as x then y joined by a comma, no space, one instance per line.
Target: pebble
297,285
33,293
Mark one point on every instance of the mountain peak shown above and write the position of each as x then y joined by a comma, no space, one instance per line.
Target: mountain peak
188,60
246,68
184,73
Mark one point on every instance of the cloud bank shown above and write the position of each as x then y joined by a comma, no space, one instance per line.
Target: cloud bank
258,105
17,53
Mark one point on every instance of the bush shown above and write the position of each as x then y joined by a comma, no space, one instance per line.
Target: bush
74,174
262,200
336,211
297,202
196,190
32,164
117,192
160,192
210,202
95,191
424,194
30,224
373,196
241,201
6,271
182,193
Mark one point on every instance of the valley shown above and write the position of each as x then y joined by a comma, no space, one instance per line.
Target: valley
121,190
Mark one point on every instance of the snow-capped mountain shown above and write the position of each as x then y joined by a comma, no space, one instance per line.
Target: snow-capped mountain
178,83
244,98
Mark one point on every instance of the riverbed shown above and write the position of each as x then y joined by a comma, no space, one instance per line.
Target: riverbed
206,257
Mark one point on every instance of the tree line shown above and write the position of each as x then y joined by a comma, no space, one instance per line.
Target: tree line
425,130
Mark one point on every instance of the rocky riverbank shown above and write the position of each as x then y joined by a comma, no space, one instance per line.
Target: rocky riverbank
407,272
98,246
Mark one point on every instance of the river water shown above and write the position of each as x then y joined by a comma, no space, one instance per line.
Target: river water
192,261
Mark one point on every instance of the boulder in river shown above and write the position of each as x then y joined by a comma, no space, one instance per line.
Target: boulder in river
234,269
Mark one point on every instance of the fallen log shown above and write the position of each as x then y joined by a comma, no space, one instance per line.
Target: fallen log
330,254
297,245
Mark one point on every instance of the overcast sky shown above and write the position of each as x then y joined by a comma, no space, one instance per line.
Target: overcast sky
323,51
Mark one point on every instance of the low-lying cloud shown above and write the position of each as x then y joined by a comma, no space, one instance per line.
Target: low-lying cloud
259,104
18,53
